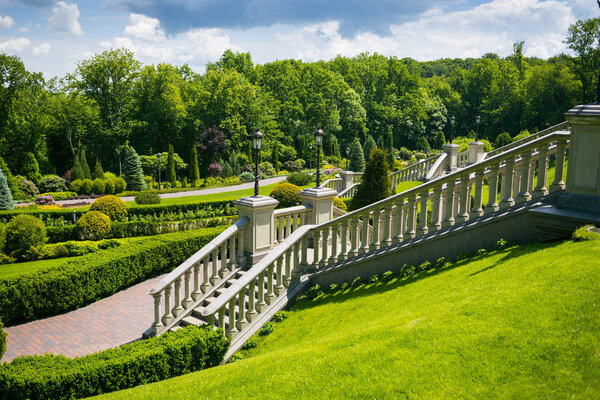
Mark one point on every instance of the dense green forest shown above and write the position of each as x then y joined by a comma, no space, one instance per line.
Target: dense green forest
112,100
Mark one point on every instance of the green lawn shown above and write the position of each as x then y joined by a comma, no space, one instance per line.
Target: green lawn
404,186
522,323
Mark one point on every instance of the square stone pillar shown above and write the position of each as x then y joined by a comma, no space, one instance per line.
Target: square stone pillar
321,201
259,232
582,190
347,177
452,158
475,151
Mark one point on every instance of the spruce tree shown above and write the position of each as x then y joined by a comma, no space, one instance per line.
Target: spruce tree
440,140
369,146
376,184
98,171
357,158
171,176
132,171
235,164
275,156
423,144
194,168
77,171
12,182
6,199
84,165
31,169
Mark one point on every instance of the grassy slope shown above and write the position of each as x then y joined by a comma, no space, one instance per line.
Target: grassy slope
520,323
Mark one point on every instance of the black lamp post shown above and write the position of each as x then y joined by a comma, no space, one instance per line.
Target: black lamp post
158,157
319,141
452,120
310,155
347,157
477,121
256,144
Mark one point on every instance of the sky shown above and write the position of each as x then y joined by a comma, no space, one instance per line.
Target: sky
53,36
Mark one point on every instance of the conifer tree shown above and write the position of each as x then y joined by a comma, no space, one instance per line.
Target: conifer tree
171,176
376,184
84,165
369,146
12,182
390,149
31,169
235,164
6,199
357,158
275,156
132,170
423,144
440,140
194,168
98,171
77,170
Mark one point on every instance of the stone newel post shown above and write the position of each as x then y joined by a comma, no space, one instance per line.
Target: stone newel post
475,151
452,158
321,201
259,233
347,177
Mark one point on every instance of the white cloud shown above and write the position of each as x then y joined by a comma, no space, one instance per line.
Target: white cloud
23,29
6,21
15,46
65,18
43,48
144,28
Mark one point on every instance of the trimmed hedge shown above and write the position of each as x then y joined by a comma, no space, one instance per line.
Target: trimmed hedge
57,377
97,275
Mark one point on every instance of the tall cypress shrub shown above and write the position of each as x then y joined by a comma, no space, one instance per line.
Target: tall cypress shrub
77,170
275,156
6,199
31,169
132,170
369,146
376,184
98,171
84,165
10,179
440,140
194,168
235,164
357,158
171,176
390,149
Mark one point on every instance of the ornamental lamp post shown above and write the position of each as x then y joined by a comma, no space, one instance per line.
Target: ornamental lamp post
477,121
310,155
347,156
158,156
452,120
256,144
319,141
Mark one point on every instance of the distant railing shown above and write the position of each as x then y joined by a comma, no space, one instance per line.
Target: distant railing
414,172
335,184
563,126
350,191
287,220
462,160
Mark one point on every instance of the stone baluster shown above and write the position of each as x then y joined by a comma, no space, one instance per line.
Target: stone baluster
178,309
167,316
296,260
197,293
205,275
251,314
506,199
449,204
411,218
524,194
240,246
288,268
187,300
288,226
375,243
423,229
279,288
463,212
280,224
343,240
559,170
231,329
335,231
398,222
232,256
477,209
316,243
221,318
386,221
270,295
542,179
157,325
354,227
241,320
436,209
214,278
304,260
516,179
492,204
325,248
261,305
364,248
223,251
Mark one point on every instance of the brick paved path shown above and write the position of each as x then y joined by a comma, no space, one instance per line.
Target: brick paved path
110,322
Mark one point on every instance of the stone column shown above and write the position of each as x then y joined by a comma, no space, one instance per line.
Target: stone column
475,151
452,158
259,233
321,201
347,177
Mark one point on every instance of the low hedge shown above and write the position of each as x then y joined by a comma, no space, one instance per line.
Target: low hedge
145,361
94,276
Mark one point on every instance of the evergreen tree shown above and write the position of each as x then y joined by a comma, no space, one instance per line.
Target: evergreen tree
390,147
503,139
12,182
335,148
235,164
98,171
84,165
171,176
77,170
357,158
423,144
275,156
132,170
6,199
194,168
369,146
31,169
376,184
440,140
227,171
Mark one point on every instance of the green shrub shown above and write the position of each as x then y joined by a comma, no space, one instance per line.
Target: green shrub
94,225
6,198
86,186
388,275
144,361
313,292
98,186
267,329
22,233
120,185
246,177
109,186
147,197
30,168
76,185
339,203
112,206
89,278
299,179
280,316
2,339
58,196
52,183
376,184
405,154
503,139
588,232
2,237
250,344
286,194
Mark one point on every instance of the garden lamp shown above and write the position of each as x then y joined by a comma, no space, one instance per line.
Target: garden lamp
452,120
158,156
256,144
477,120
319,141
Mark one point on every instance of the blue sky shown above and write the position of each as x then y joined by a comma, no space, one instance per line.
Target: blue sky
53,36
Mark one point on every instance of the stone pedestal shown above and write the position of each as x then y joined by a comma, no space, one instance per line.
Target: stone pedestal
475,151
452,158
259,233
321,201
582,190
347,178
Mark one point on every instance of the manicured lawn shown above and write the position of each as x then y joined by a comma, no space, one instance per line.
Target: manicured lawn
520,323
404,186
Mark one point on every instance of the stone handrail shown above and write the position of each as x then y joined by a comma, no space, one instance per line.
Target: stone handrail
335,184
224,253
350,191
287,220
414,172
462,159
438,168
563,126
357,177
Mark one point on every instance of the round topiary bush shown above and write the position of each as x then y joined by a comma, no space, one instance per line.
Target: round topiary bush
86,187
52,183
339,203
246,177
147,197
93,225
76,186
120,185
112,206
299,179
109,186
22,233
98,186
286,194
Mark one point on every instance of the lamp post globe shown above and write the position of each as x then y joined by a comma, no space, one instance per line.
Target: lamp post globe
347,156
310,155
257,137
319,141
477,121
452,120
159,181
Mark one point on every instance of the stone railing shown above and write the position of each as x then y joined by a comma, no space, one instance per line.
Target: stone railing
218,259
563,126
414,172
438,168
357,178
462,159
350,191
334,183
287,220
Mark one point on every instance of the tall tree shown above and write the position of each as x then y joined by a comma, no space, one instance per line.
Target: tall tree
77,170
584,38
376,184
171,175
84,164
194,169
6,199
369,146
357,158
98,171
132,170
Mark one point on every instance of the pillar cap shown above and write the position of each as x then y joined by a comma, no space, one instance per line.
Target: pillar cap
451,146
347,173
585,110
319,193
256,202
477,144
